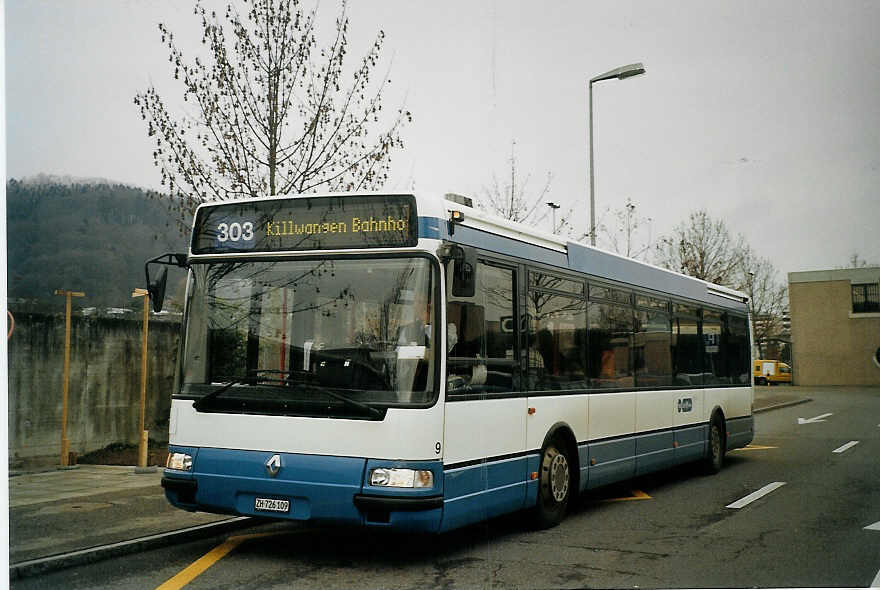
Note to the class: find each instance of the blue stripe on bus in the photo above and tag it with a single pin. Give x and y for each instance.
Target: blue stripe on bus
(434, 228)
(582, 259)
(429, 227)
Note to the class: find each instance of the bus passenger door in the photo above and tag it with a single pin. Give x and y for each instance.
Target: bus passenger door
(485, 469)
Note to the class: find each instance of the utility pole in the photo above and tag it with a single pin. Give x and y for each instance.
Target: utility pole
(65, 444)
(144, 434)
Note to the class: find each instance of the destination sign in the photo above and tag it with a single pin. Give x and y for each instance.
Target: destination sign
(307, 223)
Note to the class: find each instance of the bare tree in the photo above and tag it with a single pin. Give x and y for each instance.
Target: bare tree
(702, 247)
(626, 234)
(856, 261)
(768, 299)
(270, 112)
(513, 199)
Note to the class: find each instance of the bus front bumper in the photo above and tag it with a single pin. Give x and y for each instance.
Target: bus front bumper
(317, 488)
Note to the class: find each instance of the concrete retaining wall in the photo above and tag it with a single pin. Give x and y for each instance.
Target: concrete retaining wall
(105, 383)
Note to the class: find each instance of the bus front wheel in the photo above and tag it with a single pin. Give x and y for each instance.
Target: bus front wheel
(554, 491)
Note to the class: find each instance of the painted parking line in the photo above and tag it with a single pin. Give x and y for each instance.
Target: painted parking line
(753, 448)
(846, 447)
(755, 495)
(635, 495)
(198, 567)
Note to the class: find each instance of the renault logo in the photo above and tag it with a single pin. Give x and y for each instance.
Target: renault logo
(273, 465)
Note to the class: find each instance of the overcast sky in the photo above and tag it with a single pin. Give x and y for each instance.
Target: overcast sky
(767, 114)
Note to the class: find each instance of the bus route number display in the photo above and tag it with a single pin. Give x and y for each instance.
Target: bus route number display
(307, 223)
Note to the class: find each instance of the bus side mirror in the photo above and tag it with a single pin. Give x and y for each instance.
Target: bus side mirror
(464, 272)
(156, 288)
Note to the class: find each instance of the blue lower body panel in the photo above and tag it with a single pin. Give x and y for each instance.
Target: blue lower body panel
(337, 489)
(740, 432)
(484, 490)
(318, 488)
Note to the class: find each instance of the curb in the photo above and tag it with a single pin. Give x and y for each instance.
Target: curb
(43, 565)
(795, 402)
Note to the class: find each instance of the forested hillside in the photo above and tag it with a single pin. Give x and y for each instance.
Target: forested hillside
(91, 237)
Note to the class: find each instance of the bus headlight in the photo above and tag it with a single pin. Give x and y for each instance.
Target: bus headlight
(402, 478)
(179, 461)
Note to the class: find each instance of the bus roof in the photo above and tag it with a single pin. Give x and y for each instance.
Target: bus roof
(484, 230)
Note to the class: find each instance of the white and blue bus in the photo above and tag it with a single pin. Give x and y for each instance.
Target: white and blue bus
(409, 362)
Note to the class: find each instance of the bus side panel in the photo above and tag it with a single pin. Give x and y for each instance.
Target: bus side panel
(487, 438)
(654, 452)
(691, 443)
(689, 407)
(740, 432)
(611, 461)
(611, 415)
(485, 490)
(735, 402)
(570, 410)
(481, 429)
(655, 410)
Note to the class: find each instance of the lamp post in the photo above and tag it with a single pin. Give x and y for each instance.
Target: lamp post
(553, 206)
(620, 73)
(143, 434)
(65, 388)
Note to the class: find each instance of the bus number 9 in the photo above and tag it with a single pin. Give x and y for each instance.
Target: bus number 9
(234, 232)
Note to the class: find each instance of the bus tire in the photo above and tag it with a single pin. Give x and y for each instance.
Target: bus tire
(554, 485)
(715, 457)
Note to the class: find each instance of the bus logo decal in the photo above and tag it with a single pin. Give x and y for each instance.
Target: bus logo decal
(273, 465)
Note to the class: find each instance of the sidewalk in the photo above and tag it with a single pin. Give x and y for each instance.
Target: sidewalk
(58, 512)
(779, 396)
(57, 517)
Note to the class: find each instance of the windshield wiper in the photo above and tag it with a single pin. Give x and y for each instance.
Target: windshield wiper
(251, 377)
(373, 410)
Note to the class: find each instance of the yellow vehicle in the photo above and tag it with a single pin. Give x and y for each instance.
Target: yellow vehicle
(769, 372)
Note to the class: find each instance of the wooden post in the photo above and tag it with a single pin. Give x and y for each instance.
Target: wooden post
(65, 443)
(143, 434)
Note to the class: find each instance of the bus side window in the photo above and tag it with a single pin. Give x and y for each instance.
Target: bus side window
(482, 359)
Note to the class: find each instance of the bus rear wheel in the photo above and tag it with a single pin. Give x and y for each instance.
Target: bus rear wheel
(554, 486)
(715, 458)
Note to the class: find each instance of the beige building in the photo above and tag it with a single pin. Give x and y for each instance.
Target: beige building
(835, 326)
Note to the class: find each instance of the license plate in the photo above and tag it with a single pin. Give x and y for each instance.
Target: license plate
(271, 505)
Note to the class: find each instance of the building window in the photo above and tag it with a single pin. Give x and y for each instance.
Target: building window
(866, 298)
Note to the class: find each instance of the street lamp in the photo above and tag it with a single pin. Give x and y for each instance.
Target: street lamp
(620, 73)
(553, 206)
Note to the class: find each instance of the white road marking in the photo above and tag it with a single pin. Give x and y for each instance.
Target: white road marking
(846, 447)
(814, 420)
(876, 582)
(755, 495)
(873, 527)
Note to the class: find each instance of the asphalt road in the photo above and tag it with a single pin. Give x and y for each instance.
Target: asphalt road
(676, 530)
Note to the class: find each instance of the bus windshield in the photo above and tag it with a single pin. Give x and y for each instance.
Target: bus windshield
(322, 337)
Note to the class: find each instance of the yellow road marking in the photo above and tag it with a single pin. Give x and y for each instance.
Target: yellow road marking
(753, 448)
(199, 566)
(636, 495)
